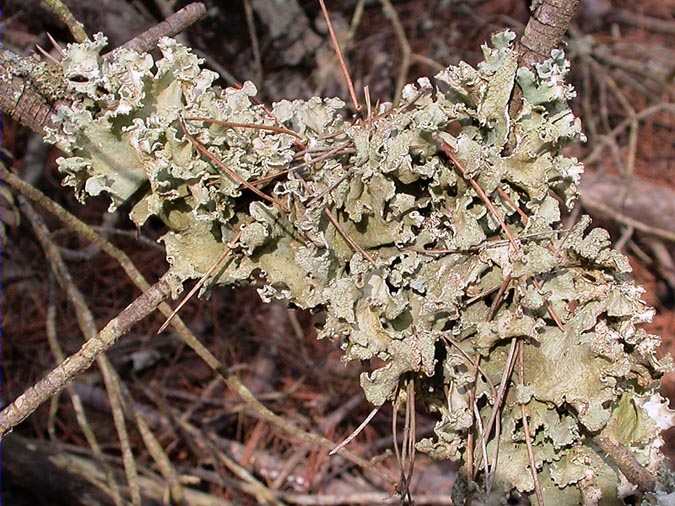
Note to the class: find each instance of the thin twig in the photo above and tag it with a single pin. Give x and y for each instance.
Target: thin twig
(406, 52)
(171, 26)
(599, 206)
(357, 16)
(255, 45)
(505, 197)
(643, 114)
(88, 328)
(76, 401)
(112, 386)
(63, 13)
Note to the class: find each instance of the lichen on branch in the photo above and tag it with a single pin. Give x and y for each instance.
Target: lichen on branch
(427, 236)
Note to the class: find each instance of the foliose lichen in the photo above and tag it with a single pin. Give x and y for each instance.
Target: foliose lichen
(422, 262)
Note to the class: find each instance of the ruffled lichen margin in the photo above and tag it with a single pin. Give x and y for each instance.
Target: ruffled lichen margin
(427, 237)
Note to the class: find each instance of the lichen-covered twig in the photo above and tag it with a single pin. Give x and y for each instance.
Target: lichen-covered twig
(400, 310)
(18, 98)
(21, 101)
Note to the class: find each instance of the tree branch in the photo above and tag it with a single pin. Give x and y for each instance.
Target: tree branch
(18, 98)
(545, 29)
(63, 12)
(627, 463)
(75, 364)
(171, 26)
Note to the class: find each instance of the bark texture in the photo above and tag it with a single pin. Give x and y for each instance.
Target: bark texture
(18, 97)
(545, 29)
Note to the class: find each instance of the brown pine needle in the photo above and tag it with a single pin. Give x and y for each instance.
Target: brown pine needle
(231, 173)
(505, 197)
(450, 153)
(356, 432)
(525, 219)
(328, 154)
(483, 444)
(56, 45)
(369, 108)
(221, 259)
(47, 55)
(506, 374)
(338, 52)
(474, 363)
(549, 308)
(346, 237)
(252, 126)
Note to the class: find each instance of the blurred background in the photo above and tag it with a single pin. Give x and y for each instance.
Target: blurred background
(622, 54)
